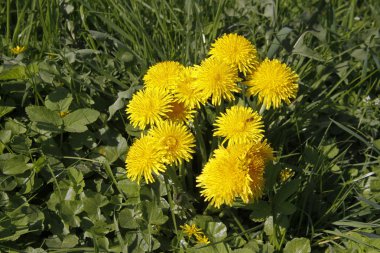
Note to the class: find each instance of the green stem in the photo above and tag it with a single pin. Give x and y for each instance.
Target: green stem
(55, 181)
(262, 109)
(171, 203)
(110, 174)
(8, 20)
(239, 224)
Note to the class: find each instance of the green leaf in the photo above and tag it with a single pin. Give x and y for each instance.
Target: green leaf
(5, 109)
(152, 213)
(19, 72)
(298, 245)
(279, 38)
(286, 190)
(330, 150)
(119, 103)
(59, 100)
(45, 118)
(69, 241)
(216, 230)
(93, 201)
(15, 126)
(285, 208)
(76, 177)
(128, 219)
(5, 137)
(13, 164)
(77, 120)
(21, 144)
(260, 210)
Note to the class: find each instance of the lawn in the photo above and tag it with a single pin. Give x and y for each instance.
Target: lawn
(82, 170)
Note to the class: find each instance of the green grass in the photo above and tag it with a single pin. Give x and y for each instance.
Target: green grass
(65, 190)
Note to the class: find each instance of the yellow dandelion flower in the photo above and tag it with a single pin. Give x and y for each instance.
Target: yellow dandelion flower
(148, 107)
(273, 82)
(144, 159)
(163, 75)
(18, 50)
(63, 114)
(186, 92)
(235, 171)
(175, 139)
(180, 112)
(236, 50)
(239, 124)
(202, 239)
(191, 230)
(217, 79)
(286, 174)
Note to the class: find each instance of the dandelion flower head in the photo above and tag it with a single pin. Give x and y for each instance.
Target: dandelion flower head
(286, 174)
(18, 49)
(235, 171)
(180, 112)
(273, 82)
(191, 230)
(202, 239)
(239, 124)
(186, 92)
(163, 75)
(175, 139)
(148, 107)
(144, 159)
(217, 79)
(236, 50)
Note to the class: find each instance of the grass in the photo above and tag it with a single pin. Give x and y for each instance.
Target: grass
(66, 190)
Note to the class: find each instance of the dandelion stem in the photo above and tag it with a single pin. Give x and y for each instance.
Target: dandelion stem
(262, 109)
(171, 203)
(239, 224)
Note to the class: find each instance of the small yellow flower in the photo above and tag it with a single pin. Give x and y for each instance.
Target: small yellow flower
(239, 124)
(164, 75)
(273, 82)
(18, 50)
(236, 50)
(217, 79)
(63, 114)
(202, 239)
(144, 159)
(175, 139)
(148, 107)
(191, 230)
(286, 174)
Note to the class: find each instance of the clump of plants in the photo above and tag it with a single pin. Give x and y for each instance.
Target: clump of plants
(228, 92)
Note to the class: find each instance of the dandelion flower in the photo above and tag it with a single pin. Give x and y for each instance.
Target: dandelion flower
(217, 79)
(175, 139)
(186, 92)
(180, 112)
(163, 75)
(273, 82)
(239, 125)
(236, 50)
(148, 106)
(202, 239)
(286, 174)
(235, 171)
(144, 159)
(191, 230)
(18, 50)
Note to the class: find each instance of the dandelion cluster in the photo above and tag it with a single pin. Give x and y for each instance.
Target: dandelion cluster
(176, 99)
